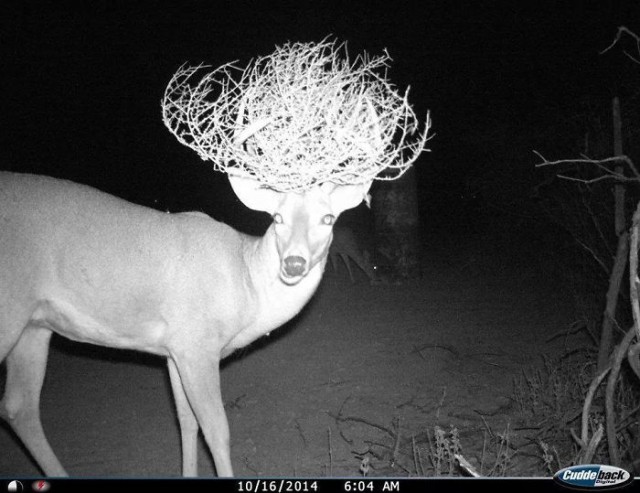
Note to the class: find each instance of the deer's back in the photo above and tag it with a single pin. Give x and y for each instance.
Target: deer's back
(100, 269)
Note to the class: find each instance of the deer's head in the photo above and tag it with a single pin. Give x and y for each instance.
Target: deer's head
(302, 221)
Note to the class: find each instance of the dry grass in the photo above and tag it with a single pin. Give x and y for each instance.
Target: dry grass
(551, 401)
(536, 441)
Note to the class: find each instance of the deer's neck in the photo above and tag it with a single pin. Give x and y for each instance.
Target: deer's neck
(277, 302)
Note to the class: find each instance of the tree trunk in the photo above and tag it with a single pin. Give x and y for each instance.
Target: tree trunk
(396, 222)
(615, 281)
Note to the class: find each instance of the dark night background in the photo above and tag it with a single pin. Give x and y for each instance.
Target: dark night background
(82, 84)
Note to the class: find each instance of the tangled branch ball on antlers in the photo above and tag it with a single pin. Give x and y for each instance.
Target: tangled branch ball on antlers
(302, 116)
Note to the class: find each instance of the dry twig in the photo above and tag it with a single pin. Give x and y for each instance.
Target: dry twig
(624, 30)
(634, 351)
(302, 116)
(584, 441)
(618, 356)
(608, 174)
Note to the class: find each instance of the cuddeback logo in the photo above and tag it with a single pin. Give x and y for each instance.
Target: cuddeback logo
(593, 476)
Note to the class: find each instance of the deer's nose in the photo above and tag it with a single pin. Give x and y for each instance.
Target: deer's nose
(294, 265)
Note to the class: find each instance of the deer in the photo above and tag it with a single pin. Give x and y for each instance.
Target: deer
(301, 134)
(346, 247)
(97, 269)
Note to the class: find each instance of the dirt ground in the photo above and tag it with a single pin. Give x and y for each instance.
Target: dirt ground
(331, 387)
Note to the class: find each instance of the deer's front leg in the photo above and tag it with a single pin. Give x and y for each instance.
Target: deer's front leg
(188, 424)
(200, 377)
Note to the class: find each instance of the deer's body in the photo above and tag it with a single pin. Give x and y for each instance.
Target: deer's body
(126, 296)
(97, 269)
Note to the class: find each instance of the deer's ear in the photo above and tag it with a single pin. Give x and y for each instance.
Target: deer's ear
(253, 194)
(345, 197)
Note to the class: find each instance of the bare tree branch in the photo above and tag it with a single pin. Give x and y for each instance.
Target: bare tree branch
(599, 163)
(624, 30)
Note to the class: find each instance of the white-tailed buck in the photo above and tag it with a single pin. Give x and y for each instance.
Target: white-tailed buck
(301, 134)
(346, 247)
(97, 269)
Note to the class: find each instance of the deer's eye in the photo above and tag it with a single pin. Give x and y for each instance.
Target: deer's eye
(329, 219)
(277, 218)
